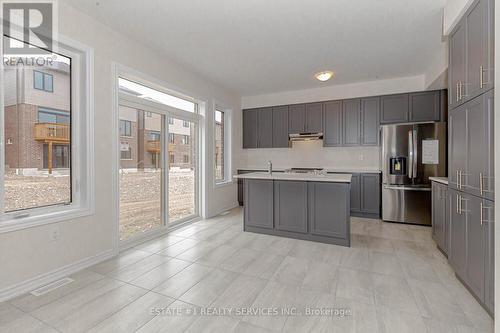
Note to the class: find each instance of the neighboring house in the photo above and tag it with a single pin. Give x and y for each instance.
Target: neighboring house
(140, 135)
(37, 117)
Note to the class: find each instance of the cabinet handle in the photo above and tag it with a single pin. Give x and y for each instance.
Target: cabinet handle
(481, 183)
(481, 78)
(458, 209)
(481, 213)
(458, 93)
(460, 85)
(458, 180)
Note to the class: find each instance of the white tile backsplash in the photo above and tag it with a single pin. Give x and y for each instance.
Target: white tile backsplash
(312, 154)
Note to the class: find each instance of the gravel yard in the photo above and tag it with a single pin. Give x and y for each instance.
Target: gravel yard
(140, 196)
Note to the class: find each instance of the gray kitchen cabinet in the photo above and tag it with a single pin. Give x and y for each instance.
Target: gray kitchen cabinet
(296, 119)
(314, 118)
(290, 206)
(370, 193)
(440, 216)
(332, 136)
(265, 128)
(356, 193)
(425, 106)
(457, 134)
(479, 176)
(351, 122)
(475, 244)
(394, 109)
(280, 127)
(327, 202)
(240, 186)
(457, 255)
(479, 48)
(488, 222)
(456, 71)
(370, 121)
(258, 208)
(250, 128)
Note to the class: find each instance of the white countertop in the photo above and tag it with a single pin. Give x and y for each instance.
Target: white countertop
(332, 178)
(442, 180)
(338, 170)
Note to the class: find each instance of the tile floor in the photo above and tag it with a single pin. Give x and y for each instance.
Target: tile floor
(392, 279)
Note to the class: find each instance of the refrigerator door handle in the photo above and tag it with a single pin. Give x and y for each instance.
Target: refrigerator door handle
(415, 153)
(410, 154)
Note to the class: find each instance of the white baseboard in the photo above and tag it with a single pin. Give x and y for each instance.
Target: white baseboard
(222, 210)
(46, 278)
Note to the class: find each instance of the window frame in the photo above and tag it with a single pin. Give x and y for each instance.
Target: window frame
(129, 126)
(227, 112)
(43, 81)
(82, 146)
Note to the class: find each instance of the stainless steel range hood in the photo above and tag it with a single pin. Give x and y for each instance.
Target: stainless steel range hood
(305, 136)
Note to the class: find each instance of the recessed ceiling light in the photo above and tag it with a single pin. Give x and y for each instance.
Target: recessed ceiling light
(324, 76)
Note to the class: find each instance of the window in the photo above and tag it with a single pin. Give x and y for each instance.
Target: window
(43, 81)
(154, 136)
(125, 128)
(171, 137)
(149, 114)
(185, 123)
(221, 151)
(126, 153)
(171, 158)
(185, 159)
(170, 121)
(185, 139)
(42, 179)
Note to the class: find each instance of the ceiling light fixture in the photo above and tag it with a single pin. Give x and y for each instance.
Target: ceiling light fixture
(324, 76)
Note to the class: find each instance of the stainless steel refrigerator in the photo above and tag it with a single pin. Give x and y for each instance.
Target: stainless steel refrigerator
(411, 153)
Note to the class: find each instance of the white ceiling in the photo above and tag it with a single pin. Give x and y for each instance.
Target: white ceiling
(264, 46)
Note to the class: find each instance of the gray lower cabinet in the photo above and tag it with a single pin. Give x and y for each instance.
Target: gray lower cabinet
(265, 128)
(259, 208)
(290, 209)
(250, 128)
(355, 193)
(394, 109)
(351, 121)
(314, 118)
(457, 255)
(280, 127)
(440, 216)
(365, 195)
(326, 200)
(489, 225)
(370, 121)
(332, 118)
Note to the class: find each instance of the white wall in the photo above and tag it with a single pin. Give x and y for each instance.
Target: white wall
(453, 11)
(313, 154)
(29, 253)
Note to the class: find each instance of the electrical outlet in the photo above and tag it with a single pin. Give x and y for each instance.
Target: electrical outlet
(55, 234)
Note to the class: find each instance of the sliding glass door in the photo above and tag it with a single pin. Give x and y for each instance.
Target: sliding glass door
(182, 169)
(141, 171)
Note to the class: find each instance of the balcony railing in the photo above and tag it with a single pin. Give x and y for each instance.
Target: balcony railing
(154, 146)
(51, 132)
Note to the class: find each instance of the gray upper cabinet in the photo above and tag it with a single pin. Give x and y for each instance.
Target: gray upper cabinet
(280, 127)
(290, 201)
(326, 201)
(314, 118)
(258, 198)
(370, 193)
(265, 128)
(425, 106)
(457, 134)
(351, 122)
(296, 119)
(370, 121)
(332, 124)
(456, 72)
(250, 128)
(394, 109)
(479, 45)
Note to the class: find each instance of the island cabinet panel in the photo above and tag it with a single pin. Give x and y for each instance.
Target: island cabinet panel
(328, 204)
(280, 127)
(290, 206)
(314, 118)
(394, 109)
(332, 124)
(296, 119)
(259, 207)
(425, 106)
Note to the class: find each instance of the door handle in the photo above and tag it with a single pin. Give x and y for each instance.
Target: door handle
(410, 154)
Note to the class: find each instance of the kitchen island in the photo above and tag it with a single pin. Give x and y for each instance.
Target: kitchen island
(303, 206)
